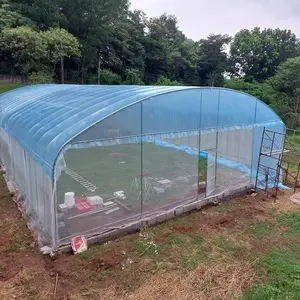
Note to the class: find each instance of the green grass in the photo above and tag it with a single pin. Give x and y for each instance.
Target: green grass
(259, 229)
(224, 244)
(196, 239)
(146, 247)
(292, 142)
(291, 159)
(5, 87)
(281, 273)
(292, 221)
(176, 239)
(100, 167)
(279, 270)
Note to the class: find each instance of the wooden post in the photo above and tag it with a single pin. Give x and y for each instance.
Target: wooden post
(297, 176)
(287, 173)
(266, 179)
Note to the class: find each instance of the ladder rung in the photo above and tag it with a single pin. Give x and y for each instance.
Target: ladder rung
(88, 185)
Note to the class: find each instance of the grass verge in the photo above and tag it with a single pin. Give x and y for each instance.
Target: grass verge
(5, 87)
(280, 268)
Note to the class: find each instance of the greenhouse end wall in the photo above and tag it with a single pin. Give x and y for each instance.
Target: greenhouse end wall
(144, 154)
(34, 188)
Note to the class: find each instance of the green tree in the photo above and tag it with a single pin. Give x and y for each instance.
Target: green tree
(26, 46)
(287, 82)
(287, 78)
(168, 52)
(60, 44)
(190, 58)
(92, 22)
(120, 44)
(213, 60)
(257, 53)
(128, 43)
(10, 18)
(160, 46)
(263, 91)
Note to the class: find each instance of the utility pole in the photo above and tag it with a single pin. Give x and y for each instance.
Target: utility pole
(62, 67)
(99, 66)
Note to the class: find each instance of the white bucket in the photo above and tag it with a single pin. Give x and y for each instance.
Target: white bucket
(70, 199)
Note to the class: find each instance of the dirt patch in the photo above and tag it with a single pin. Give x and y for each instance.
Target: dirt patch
(214, 221)
(284, 203)
(106, 261)
(13, 263)
(181, 228)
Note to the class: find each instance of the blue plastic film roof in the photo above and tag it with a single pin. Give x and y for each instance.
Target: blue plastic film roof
(44, 118)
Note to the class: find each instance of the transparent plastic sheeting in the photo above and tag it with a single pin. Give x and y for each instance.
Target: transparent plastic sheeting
(34, 185)
(45, 118)
(162, 146)
(138, 169)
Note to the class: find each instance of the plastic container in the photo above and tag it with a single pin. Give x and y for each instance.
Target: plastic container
(95, 200)
(120, 195)
(79, 244)
(63, 207)
(70, 199)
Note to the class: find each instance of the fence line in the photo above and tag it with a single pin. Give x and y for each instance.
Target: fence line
(14, 79)
(293, 131)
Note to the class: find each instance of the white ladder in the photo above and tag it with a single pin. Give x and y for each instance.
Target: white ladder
(88, 185)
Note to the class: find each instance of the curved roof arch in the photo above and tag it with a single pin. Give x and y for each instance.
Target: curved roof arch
(44, 118)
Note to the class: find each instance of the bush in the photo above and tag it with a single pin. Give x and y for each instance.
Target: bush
(110, 78)
(133, 78)
(41, 77)
(164, 81)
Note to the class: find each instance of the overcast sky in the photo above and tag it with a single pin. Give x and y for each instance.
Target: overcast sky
(199, 18)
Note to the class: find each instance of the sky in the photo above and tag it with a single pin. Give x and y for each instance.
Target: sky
(199, 18)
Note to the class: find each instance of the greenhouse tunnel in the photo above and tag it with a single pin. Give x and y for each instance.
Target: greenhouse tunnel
(98, 160)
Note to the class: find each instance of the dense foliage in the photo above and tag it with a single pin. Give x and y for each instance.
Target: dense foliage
(101, 41)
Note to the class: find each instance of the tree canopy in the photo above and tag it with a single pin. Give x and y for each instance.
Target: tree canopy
(257, 53)
(101, 41)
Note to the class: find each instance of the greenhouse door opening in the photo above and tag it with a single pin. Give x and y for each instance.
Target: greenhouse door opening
(269, 169)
